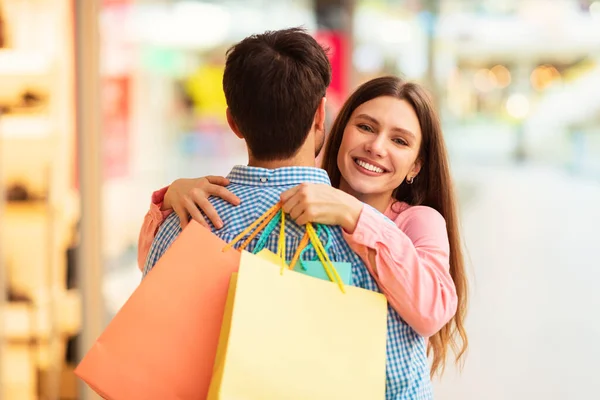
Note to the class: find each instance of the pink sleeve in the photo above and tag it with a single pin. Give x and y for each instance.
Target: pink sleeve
(152, 221)
(411, 264)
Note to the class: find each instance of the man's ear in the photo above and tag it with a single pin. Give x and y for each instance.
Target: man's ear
(232, 124)
(320, 115)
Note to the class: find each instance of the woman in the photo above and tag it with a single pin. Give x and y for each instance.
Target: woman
(385, 150)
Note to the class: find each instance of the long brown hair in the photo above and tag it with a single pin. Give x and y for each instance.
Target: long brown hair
(432, 187)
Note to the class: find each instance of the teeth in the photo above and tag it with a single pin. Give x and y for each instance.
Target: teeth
(369, 166)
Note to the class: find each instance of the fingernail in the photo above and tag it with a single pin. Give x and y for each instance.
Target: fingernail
(219, 224)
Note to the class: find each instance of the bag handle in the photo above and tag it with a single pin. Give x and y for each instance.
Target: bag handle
(303, 244)
(325, 260)
(302, 247)
(281, 245)
(261, 221)
(319, 249)
(309, 235)
(268, 221)
(280, 253)
(270, 227)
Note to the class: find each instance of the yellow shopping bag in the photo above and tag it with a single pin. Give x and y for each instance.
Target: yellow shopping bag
(286, 335)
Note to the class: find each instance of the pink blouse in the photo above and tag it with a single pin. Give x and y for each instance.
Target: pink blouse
(410, 261)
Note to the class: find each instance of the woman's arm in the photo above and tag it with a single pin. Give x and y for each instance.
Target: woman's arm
(187, 198)
(411, 263)
(409, 259)
(152, 221)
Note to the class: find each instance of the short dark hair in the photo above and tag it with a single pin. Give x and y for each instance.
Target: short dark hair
(273, 83)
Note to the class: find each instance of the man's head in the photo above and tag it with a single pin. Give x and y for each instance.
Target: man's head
(275, 84)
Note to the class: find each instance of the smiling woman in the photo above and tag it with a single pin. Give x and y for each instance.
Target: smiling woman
(391, 124)
(379, 149)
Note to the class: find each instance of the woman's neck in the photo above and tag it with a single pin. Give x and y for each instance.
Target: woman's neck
(379, 201)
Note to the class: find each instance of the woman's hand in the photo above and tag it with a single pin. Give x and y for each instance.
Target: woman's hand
(188, 196)
(323, 204)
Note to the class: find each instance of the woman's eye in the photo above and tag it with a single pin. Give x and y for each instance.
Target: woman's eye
(400, 141)
(364, 127)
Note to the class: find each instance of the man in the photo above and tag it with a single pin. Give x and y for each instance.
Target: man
(275, 86)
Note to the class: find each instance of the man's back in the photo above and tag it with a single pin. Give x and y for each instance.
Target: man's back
(258, 190)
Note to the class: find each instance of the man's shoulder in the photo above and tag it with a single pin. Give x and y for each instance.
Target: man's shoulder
(250, 196)
(254, 201)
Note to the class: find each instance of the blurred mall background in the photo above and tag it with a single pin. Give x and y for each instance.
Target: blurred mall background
(104, 101)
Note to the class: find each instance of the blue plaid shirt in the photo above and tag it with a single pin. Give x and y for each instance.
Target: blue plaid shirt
(407, 370)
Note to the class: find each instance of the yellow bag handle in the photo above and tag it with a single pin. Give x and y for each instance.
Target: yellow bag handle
(310, 235)
(261, 221)
(325, 260)
(319, 249)
(281, 244)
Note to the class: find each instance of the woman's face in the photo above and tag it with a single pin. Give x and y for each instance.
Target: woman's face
(379, 148)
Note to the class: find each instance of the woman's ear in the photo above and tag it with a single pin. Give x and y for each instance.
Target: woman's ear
(414, 171)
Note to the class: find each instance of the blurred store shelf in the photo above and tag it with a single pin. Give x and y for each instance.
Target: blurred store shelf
(20, 63)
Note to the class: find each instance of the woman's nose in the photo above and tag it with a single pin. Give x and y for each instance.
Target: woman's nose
(376, 146)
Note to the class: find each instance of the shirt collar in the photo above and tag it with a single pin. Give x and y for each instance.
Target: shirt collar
(288, 176)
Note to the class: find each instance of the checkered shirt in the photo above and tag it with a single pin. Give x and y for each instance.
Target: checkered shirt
(407, 369)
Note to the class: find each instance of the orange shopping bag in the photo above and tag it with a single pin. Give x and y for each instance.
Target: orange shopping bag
(162, 343)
